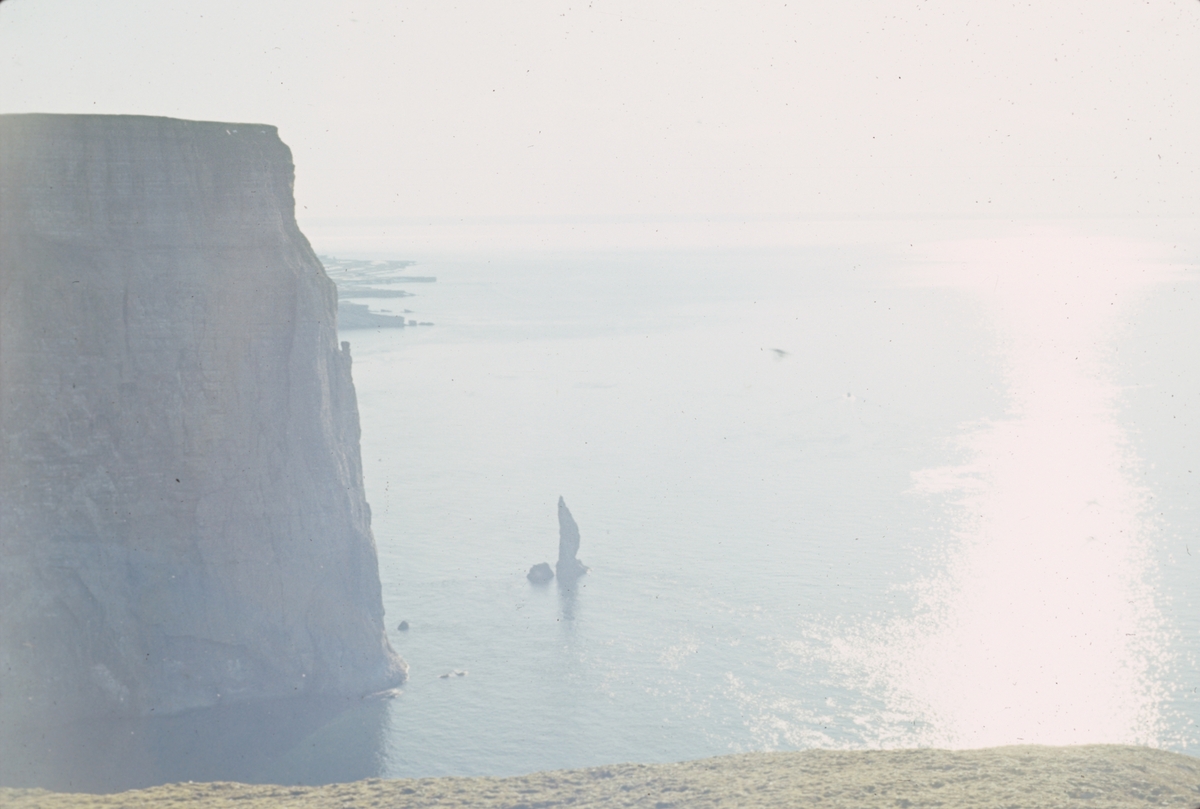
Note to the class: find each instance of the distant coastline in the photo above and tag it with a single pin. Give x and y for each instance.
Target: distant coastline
(362, 279)
(1109, 776)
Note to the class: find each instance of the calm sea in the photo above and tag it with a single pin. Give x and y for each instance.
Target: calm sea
(851, 497)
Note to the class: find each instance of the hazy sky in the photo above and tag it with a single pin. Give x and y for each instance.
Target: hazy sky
(434, 112)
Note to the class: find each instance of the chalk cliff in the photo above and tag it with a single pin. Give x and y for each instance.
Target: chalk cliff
(182, 515)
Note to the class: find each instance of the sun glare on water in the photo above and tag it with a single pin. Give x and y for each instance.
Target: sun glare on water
(1042, 625)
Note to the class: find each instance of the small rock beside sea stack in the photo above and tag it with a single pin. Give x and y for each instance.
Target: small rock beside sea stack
(540, 573)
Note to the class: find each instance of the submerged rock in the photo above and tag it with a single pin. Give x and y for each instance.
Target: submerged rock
(182, 514)
(540, 573)
(569, 567)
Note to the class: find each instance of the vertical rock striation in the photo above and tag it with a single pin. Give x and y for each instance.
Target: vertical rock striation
(182, 515)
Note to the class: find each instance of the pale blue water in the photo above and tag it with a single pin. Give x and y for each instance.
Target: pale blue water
(762, 549)
(860, 496)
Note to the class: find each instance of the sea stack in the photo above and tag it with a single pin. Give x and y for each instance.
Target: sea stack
(569, 568)
(182, 515)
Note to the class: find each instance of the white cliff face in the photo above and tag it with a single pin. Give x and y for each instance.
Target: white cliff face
(182, 516)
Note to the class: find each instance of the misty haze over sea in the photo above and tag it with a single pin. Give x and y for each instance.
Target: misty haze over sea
(851, 495)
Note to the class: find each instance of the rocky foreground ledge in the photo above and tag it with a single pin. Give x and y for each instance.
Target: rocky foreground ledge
(1028, 777)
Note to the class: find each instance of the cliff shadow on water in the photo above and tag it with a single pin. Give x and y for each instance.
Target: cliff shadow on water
(303, 740)
(185, 538)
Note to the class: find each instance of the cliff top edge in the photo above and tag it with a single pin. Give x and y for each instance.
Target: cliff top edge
(133, 120)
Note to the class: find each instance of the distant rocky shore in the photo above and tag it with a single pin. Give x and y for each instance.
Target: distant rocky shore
(370, 280)
(1101, 776)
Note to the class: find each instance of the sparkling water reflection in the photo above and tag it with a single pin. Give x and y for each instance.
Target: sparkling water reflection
(741, 437)
(1044, 625)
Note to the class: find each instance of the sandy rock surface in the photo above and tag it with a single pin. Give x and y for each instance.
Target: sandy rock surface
(1027, 777)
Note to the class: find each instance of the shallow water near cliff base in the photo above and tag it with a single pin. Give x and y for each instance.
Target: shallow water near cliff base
(846, 496)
